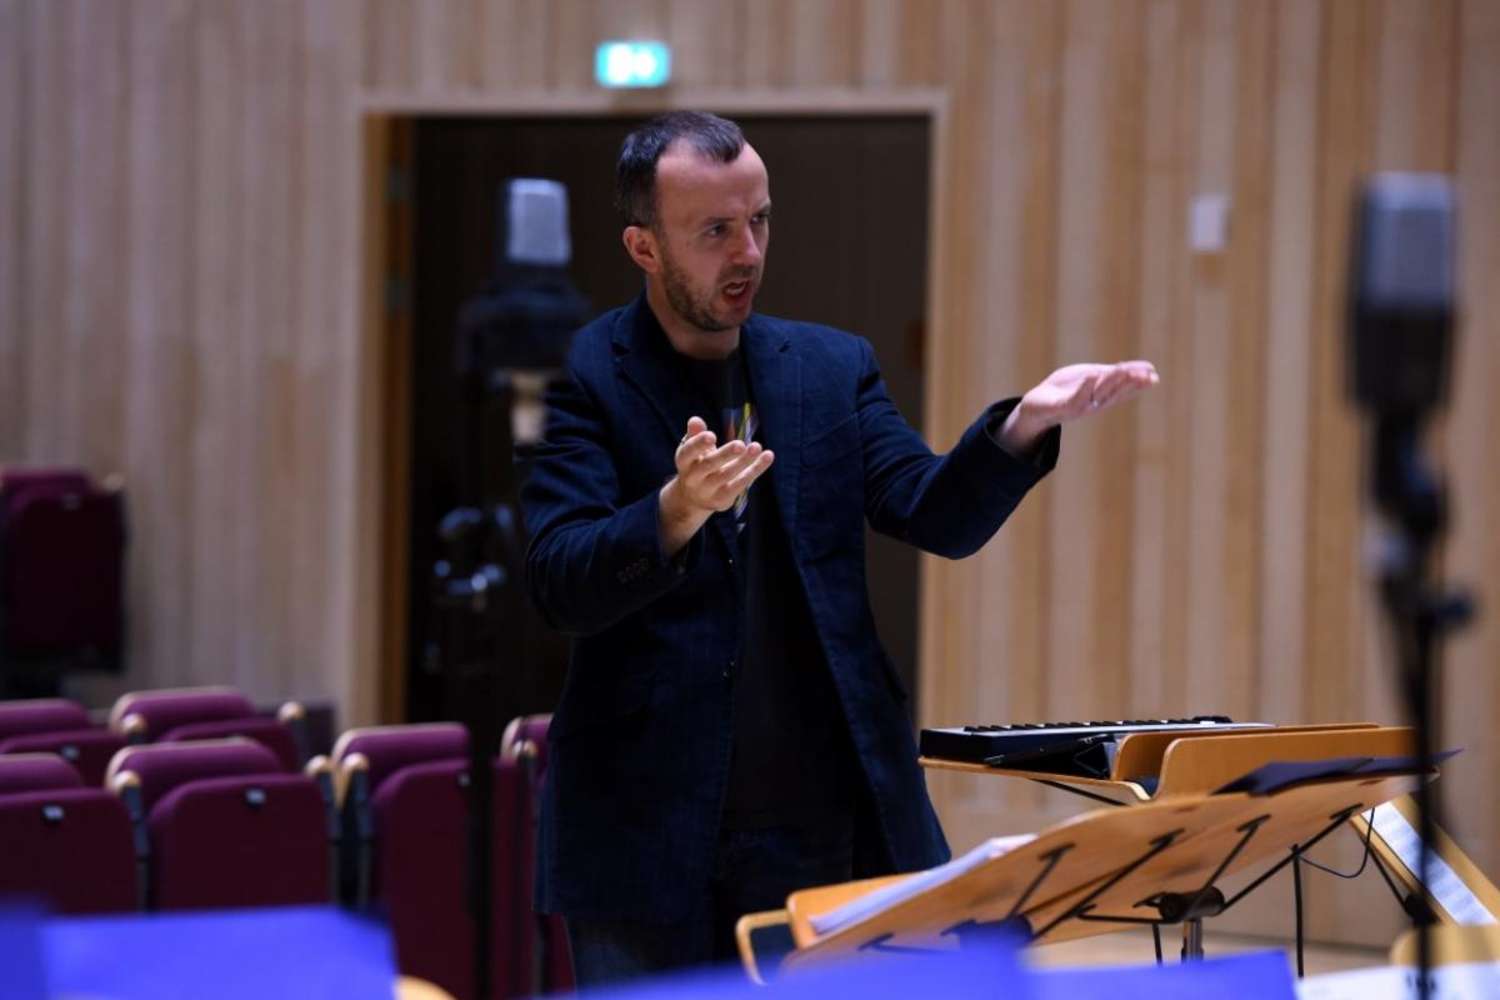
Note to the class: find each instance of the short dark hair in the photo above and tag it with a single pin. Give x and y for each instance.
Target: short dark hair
(635, 174)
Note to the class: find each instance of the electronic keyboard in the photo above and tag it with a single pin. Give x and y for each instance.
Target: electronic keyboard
(1053, 746)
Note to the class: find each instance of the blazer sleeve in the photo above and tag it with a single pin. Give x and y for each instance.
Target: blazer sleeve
(949, 505)
(594, 556)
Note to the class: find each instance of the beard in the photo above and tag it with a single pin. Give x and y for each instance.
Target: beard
(692, 305)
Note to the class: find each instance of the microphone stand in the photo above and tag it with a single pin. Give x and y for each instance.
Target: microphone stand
(1420, 610)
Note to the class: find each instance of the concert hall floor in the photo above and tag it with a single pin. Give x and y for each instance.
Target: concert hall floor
(1133, 947)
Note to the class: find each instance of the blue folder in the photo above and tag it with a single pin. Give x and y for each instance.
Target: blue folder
(317, 953)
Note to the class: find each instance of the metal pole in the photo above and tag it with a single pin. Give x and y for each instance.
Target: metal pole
(1192, 940)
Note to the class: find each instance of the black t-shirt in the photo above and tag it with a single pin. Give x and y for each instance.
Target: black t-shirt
(792, 763)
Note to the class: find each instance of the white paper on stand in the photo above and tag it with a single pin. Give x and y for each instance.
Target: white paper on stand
(884, 898)
(1446, 887)
(1455, 981)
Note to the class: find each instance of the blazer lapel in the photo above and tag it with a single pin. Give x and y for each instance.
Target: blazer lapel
(641, 356)
(776, 384)
(644, 357)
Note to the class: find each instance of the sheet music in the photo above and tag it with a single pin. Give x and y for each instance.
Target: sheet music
(1459, 981)
(881, 899)
(1446, 887)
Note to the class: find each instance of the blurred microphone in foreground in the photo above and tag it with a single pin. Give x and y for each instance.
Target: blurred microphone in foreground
(1402, 304)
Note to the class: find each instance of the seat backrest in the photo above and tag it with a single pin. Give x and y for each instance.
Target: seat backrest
(69, 846)
(40, 715)
(422, 850)
(61, 580)
(89, 750)
(515, 922)
(145, 715)
(32, 772)
(273, 734)
(422, 864)
(245, 840)
(363, 760)
(156, 769)
(15, 480)
(387, 748)
(380, 751)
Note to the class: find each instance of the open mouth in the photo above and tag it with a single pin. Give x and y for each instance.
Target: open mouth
(736, 290)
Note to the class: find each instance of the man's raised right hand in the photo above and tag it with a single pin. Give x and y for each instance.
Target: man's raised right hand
(708, 479)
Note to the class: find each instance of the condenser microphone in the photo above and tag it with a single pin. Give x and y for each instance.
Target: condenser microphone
(533, 223)
(1402, 293)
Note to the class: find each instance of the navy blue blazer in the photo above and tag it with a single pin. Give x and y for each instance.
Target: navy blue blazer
(639, 745)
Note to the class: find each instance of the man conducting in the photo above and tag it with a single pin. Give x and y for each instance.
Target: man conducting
(730, 729)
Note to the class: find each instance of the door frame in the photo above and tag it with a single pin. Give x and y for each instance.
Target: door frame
(383, 420)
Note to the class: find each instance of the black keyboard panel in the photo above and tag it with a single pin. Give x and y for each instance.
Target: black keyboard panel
(978, 744)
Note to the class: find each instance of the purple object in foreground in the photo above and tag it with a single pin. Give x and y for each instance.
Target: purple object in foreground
(986, 971)
(1264, 975)
(311, 953)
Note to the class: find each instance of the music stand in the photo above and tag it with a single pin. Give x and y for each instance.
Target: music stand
(1097, 872)
(1154, 863)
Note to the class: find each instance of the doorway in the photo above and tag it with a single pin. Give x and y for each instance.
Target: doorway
(849, 249)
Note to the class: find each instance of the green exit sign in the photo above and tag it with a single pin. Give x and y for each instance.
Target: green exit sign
(633, 64)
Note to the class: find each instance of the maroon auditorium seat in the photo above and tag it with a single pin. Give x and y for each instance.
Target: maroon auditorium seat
(420, 852)
(373, 753)
(58, 726)
(405, 810)
(15, 480)
(88, 750)
(40, 715)
(223, 825)
(421, 859)
(60, 581)
(364, 758)
(35, 772)
(69, 848)
(143, 716)
(210, 712)
(273, 734)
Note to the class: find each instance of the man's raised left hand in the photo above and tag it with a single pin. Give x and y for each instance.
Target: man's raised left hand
(1069, 393)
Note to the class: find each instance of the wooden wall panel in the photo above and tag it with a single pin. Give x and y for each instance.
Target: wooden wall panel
(507, 38)
(220, 461)
(1284, 496)
(766, 29)
(1156, 586)
(1470, 678)
(14, 134)
(1214, 652)
(704, 47)
(188, 250)
(161, 375)
(965, 590)
(47, 168)
(1083, 173)
(342, 563)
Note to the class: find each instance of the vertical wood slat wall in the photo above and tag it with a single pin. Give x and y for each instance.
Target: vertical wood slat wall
(182, 263)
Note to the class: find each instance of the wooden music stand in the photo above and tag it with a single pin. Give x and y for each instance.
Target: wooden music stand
(1083, 851)
(1154, 863)
(1180, 888)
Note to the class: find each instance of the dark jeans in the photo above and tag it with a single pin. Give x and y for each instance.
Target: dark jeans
(754, 870)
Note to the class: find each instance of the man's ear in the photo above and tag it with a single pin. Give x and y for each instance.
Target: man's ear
(640, 243)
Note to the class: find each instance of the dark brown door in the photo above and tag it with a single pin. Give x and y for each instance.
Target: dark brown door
(849, 248)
